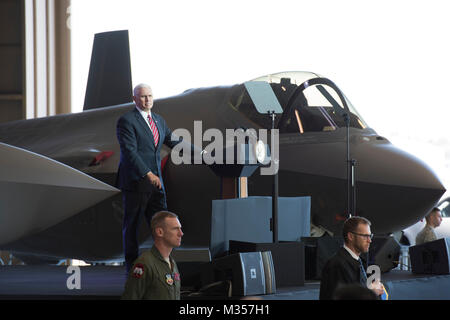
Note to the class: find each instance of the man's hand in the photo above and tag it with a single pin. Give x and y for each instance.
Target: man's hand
(377, 287)
(154, 180)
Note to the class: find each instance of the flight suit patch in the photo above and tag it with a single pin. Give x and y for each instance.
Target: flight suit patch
(169, 279)
(177, 276)
(138, 271)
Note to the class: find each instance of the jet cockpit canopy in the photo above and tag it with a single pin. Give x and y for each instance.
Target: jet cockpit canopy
(309, 103)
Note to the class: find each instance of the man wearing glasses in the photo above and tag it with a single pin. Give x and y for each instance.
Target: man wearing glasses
(346, 268)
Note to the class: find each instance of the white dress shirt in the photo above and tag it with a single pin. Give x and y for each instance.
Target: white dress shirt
(354, 255)
(145, 115)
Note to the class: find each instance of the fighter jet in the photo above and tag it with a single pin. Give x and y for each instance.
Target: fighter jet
(393, 188)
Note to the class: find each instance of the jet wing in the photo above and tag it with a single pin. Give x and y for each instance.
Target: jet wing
(37, 192)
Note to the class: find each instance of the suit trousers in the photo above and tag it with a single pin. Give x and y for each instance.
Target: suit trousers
(136, 206)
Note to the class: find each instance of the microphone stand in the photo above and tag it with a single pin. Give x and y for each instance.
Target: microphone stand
(274, 220)
(351, 164)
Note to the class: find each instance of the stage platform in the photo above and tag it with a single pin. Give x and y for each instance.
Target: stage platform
(50, 282)
(107, 282)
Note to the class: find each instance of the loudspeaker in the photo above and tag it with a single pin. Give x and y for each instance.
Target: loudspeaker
(269, 272)
(288, 259)
(190, 262)
(318, 250)
(431, 257)
(245, 271)
(384, 252)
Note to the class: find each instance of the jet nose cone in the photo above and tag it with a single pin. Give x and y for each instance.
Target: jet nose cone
(393, 166)
(403, 188)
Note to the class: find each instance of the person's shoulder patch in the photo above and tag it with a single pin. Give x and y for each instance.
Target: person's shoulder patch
(138, 270)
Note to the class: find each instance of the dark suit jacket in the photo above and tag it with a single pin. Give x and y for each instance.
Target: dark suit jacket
(341, 269)
(138, 154)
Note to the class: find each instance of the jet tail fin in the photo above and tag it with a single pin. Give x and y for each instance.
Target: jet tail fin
(109, 81)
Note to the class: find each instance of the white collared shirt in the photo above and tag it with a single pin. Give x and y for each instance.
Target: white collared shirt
(145, 115)
(354, 255)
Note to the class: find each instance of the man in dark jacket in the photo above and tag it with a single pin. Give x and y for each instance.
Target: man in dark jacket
(141, 134)
(346, 266)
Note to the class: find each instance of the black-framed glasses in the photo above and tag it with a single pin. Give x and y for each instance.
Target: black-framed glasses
(367, 236)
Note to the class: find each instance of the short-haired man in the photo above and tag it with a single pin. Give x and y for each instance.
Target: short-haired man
(141, 134)
(154, 275)
(346, 266)
(428, 234)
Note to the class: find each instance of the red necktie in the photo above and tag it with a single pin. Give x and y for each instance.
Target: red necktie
(154, 130)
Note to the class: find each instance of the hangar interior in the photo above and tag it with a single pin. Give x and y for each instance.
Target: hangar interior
(35, 82)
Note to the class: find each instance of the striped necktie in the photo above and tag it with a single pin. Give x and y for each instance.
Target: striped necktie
(153, 129)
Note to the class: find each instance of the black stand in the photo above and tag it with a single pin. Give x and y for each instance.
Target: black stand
(351, 164)
(274, 222)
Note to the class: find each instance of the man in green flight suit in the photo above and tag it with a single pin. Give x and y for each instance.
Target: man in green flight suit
(154, 275)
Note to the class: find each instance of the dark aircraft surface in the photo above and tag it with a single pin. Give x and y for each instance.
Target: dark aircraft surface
(393, 188)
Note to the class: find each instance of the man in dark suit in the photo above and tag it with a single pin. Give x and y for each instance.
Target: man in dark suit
(141, 134)
(346, 267)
